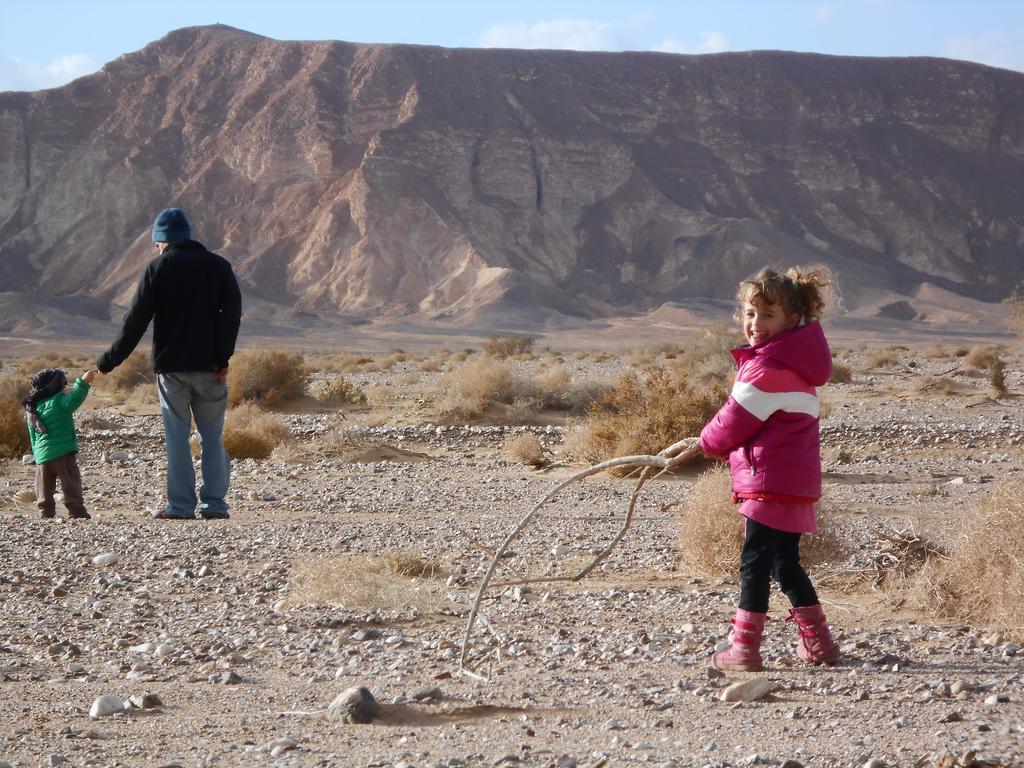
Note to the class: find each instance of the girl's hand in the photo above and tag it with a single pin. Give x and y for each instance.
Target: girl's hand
(89, 375)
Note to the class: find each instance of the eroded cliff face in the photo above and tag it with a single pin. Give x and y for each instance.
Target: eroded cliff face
(469, 183)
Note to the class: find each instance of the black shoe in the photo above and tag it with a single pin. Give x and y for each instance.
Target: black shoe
(215, 515)
(47, 515)
(80, 514)
(163, 514)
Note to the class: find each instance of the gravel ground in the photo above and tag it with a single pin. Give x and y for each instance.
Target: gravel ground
(214, 618)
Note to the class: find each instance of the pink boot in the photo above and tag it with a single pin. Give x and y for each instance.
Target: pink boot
(816, 644)
(744, 655)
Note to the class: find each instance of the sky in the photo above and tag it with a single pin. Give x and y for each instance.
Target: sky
(45, 43)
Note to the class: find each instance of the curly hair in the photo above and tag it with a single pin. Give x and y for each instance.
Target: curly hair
(799, 291)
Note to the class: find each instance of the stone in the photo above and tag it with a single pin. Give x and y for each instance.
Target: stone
(163, 650)
(432, 693)
(107, 558)
(145, 701)
(106, 705)
(365, 635)
(230, 677)
(353, 705)
(748, 690)
(277, 747)
(25, 495)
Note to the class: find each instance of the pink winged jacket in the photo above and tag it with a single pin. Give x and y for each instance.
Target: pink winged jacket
(768, 427)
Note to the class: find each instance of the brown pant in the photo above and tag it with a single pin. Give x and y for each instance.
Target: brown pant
(47, 473)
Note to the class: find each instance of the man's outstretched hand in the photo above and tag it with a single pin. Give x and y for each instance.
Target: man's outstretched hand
(221, 373)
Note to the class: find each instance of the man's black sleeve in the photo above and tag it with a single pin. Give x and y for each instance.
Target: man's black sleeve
(230, 318)
(136, 320)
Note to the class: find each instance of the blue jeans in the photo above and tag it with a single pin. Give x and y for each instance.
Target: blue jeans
(185, 395)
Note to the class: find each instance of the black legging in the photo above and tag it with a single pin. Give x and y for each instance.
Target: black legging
(767, 554)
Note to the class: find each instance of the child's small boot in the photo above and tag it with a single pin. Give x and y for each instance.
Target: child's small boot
(744, 655)
(816, 645)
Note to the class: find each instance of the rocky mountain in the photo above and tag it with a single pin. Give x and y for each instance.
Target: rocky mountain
(503, 188)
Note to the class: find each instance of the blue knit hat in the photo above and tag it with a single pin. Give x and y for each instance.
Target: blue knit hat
(170, 226)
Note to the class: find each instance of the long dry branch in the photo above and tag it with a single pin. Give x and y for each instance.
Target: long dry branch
(666, 459)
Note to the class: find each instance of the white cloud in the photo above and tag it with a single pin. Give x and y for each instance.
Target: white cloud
(997, 49)
(571, 34)
(18, 75)
(710, 42)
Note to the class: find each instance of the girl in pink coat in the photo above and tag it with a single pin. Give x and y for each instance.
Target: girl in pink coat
(768, 432)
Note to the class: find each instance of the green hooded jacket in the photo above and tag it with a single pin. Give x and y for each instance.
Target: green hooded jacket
(57, 415)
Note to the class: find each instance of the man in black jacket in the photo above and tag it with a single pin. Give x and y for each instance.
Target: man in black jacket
(192, 297)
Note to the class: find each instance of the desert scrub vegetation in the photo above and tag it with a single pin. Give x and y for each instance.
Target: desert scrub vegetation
(478, 383)
(648, 411)
(510, 345)
(980, 578)
(841, 373)
(252, 433)
(31, 365)
(982, 357)
(484, 384)
(13, 428)
(653, 408)
(882, 358)
(711, 531)
(340, 391)
(266, 376)
(525, 448)
(394, 581)
(136, 370)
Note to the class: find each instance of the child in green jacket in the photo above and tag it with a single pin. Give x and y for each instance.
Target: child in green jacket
(51, 429)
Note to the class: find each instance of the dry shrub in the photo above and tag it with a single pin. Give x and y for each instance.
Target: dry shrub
(937, 352)
(135, 371)
(340, 391)
(882, 358)
(509, 345)
(266, 376)
(13, 428)
(31, 365)
(525, 448)
(997, 378)
(706, 356)
(982, 357)
(359, 582)
(824, 407)
(649, 411)
(251, 433)
(408, 379)
(936, 385)
(841, 374)
(981, 580)
(350, 363)
(411, 565)
(555, 389)
(432, 364)
(141, 398)
(477, 383)
(710, 531)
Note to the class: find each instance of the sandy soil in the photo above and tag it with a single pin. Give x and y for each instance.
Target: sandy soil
(236, 626)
